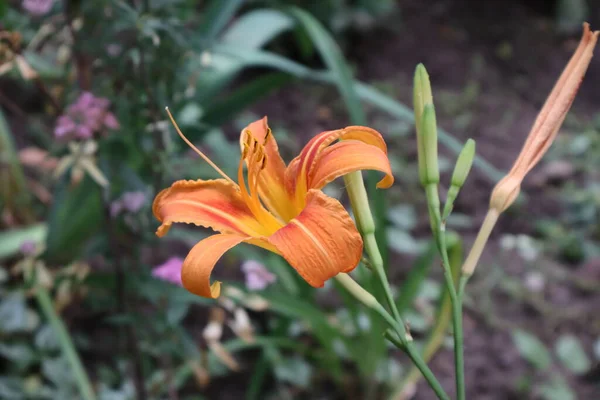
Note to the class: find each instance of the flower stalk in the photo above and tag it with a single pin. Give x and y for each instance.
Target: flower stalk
(430, 178)
(366, 226)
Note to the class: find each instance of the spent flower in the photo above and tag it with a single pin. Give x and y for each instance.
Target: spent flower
(541, 136)
(547, 123)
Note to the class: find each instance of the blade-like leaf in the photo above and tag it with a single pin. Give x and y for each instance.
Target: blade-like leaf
(75, 215)
(256, 28)
(260, 58)
(221, 111)
(217, 15)
(532, 349)
(14, 195)
(413, 282)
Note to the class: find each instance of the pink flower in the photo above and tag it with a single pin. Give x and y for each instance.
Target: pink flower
(257, 276)
(85, 117)
(28, 247)
(129, 201)
(37, 7)
(169, 271)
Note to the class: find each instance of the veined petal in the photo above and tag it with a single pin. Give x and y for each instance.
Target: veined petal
(271, 187)
(216, 204)
(321, 241)
(301, 167)
(199, 263)
(349, 156)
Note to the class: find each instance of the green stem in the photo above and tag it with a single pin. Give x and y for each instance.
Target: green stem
(399, 337)
(366, 225)
(457, 329)
(64, 339)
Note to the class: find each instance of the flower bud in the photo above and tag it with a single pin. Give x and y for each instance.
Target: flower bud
(459, 176)
(421, 97)
(463, 164)
(430, 144)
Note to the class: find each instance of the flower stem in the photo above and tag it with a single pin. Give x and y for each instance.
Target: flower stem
(64, 339)
(399, 336)
(457, 328)
(366, 225)
(482, 237)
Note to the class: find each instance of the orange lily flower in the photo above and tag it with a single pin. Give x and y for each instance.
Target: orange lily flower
(279, 208)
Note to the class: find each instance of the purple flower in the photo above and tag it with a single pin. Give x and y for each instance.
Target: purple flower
(85, 117)
(257, 276)
(28, 248)
(37, 7)
(129, 201)
(169, 271)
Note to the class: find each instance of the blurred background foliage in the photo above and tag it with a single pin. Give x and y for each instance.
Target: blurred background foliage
(83, 316)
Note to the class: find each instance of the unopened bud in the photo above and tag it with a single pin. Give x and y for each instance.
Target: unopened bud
(430, 144)
(421, 97)
(463, 164)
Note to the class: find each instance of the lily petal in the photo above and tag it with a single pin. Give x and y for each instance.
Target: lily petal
(301, 167)
(199, 263)
(321, 241)
(271, 179)
(349, 156)
(215, 204)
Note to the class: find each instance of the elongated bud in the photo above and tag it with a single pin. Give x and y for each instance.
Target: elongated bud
(430, 144)
(459, 176)
(463, 164)
(421, 97)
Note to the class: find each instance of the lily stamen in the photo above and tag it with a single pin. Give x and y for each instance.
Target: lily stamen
(201, 154)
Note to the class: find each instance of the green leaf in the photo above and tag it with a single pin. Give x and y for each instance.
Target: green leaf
(414, 281)
(532, 349)
(14, 194)
(245, 33)
(58, 371)
(218, 14)
(19, 354)
(256, 28)
(294, 370)
(76, 214)
(12, 239)
(571, 354)
(11, 388)
(221, 111)
(403, 216)
(44, 68)
(260, 58)
(334, 59)
(297, 308)
(402, 242)
(45, 339)
(557, 389)
(13, 313)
